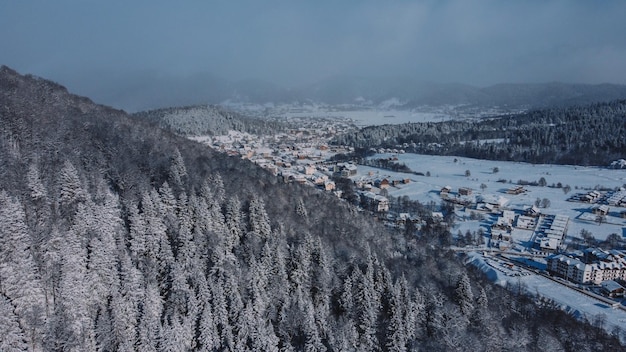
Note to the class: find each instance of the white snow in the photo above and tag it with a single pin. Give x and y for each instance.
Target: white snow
(363, 112)
(576, 303)
(445, 171)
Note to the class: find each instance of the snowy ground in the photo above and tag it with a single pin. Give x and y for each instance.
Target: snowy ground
(373, 117)
(572, 301)
(445, 171)
(365, 113)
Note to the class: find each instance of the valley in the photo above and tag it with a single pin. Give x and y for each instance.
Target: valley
(290, 176)
(197, 227)
(490, 189)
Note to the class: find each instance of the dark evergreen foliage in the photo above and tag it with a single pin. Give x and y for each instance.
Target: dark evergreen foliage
(209, 120)
(117, 235)
(583, 135)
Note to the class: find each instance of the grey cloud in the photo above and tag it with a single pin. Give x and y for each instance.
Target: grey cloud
(289, 42)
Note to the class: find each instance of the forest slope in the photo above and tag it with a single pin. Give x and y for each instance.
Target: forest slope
(202, 120)
(117, 235)
(583, 135)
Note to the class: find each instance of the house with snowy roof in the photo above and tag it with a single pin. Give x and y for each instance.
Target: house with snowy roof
(605, 266)
(612, 289)
(375, 202)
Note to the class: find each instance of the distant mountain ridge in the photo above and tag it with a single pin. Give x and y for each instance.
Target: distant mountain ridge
(147, 90)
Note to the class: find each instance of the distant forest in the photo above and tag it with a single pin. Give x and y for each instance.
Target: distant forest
(120, 236)
(209, 120)
(584, 135)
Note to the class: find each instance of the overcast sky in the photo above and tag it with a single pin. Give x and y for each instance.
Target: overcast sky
(295, 42)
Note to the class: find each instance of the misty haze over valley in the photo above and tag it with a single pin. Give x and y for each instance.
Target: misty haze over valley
(139, 56)
(313, 176)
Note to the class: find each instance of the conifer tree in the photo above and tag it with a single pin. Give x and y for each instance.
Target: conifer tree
(207, 337)
(301, 209)
(234, 222)
(125, 305)
(217, 184)
(149, 332)
(19, 280)
(75, 308)
(185, 246)
(35, 185)
(259, 221)
(221, 313)
(464, 295)
(178, 171)
(367, 308)
(137, 234)
(346, 301)
(71, 190)
(12, 337)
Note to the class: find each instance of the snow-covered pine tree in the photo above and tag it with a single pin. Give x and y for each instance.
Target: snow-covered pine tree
(178, 171)
(259, 220)
(12, 337)
(19, 280)
(149, 330)
(464, 296)
(301, 209)
(221, 313)
(234, 222)
(71, 189)
(207, 335)
(399, 317)
(75, 325)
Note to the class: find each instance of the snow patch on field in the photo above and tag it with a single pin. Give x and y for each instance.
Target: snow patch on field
(445, 171)
(574, 302)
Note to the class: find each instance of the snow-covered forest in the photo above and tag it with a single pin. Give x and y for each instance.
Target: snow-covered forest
(119, 236)
(209, 120)
(580, 135)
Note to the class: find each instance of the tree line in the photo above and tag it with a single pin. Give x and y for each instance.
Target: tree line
(121, 236)
(581, 135)
(201, 120)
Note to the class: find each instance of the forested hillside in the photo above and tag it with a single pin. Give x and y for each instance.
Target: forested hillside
(585, 135)
(208, 120)
(119, 236)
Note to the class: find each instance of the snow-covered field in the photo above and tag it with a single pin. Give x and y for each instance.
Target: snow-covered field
(572, 301)
(445, 171)
(364, 113)
(373, 117)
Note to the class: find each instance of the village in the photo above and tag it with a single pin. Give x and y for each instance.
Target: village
(508, 220)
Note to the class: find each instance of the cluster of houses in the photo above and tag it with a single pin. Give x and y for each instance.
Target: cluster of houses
(551, 232)
(617, 199)
(501, 230)
(298, 156)
(589, 197)
(463, 196)
(602, 202)
(372, 188)
(590, 266)
(302, 156)
(548, 230)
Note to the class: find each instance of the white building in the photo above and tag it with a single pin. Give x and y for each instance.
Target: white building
(376, 202)
(611, 266)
